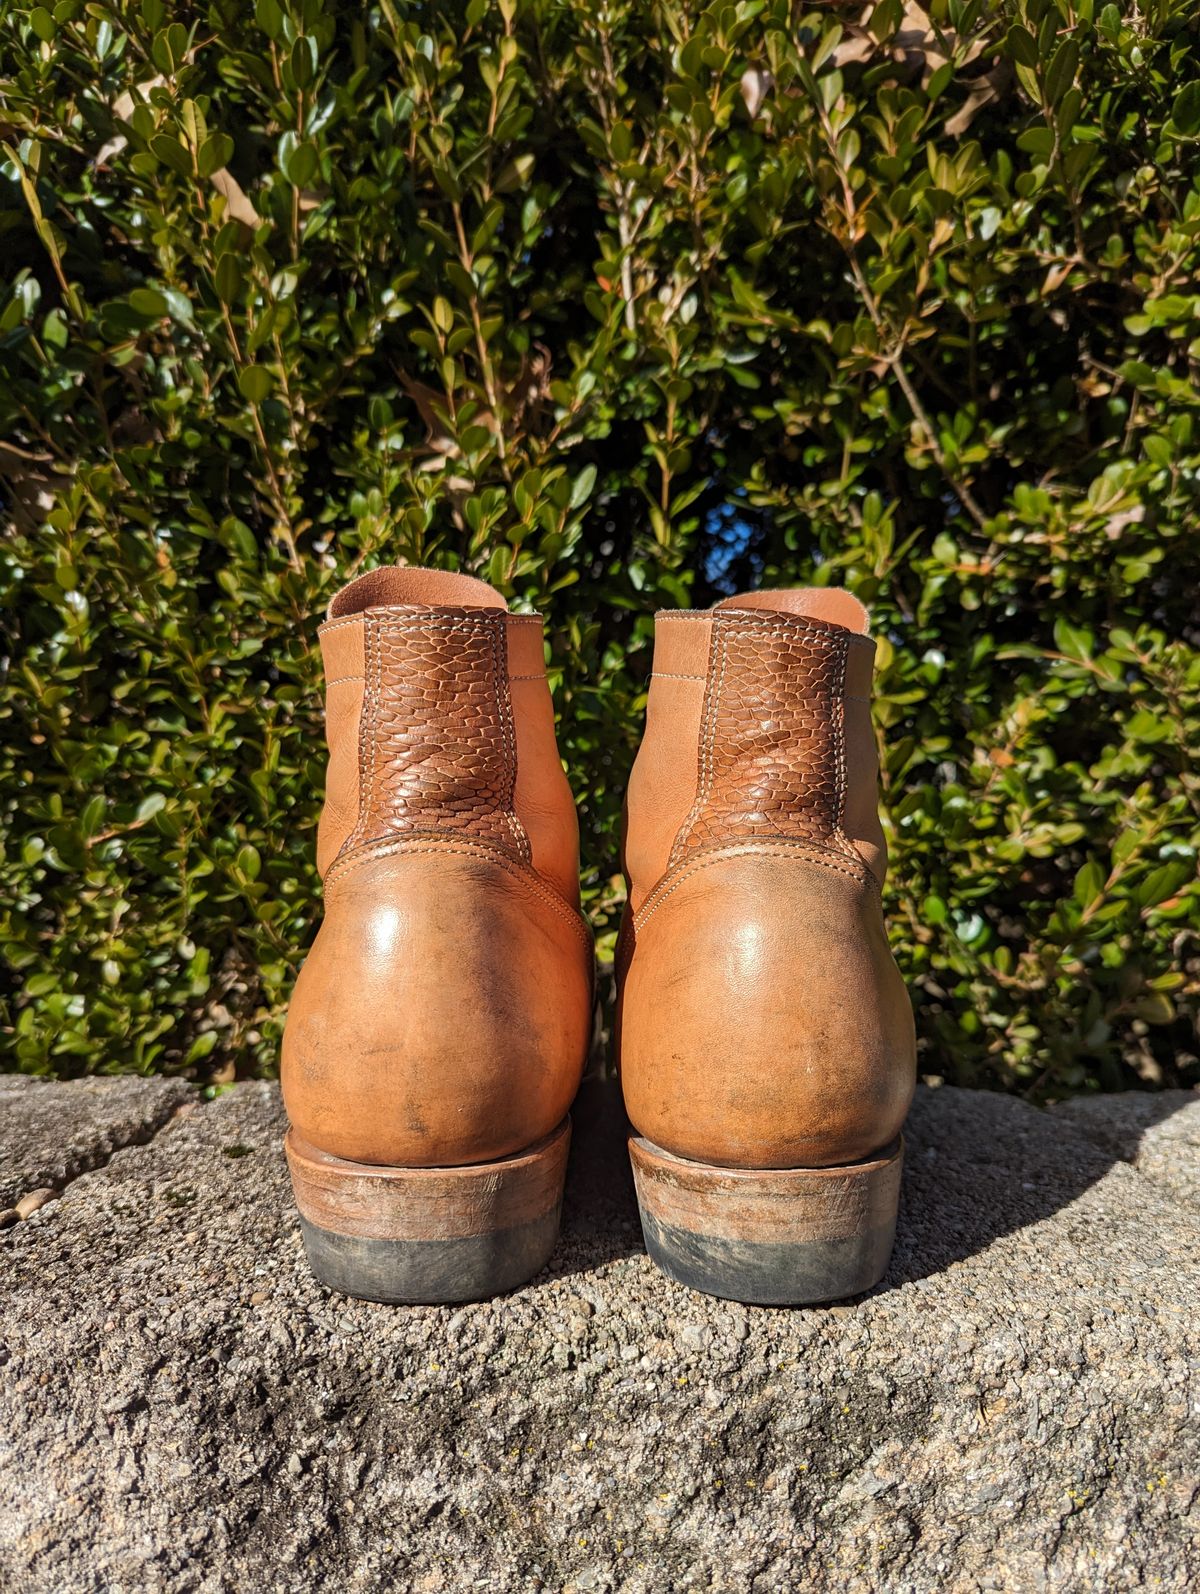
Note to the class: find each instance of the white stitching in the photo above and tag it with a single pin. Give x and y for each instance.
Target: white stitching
(340, 680)
(716, 711)
(786, 625)
(402, 622)
(666, 675)
(747, 622)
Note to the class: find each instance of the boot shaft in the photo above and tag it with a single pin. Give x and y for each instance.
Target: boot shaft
(439, 723)
(758, 729)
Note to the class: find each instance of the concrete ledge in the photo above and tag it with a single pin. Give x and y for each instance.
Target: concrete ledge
(50, 1133)
(1015, 1407)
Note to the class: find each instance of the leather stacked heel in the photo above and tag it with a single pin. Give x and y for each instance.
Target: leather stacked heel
(429, 1234)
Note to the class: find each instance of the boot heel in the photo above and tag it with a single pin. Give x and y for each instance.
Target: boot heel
(769, 1236)
(429, 1235)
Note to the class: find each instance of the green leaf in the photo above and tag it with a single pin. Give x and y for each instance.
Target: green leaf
(169, 49)
(1157, 1008)
(215, 153)
(172, 153)
(1021, 45)
(248, 861)
(1162, 883)
(939, 81)
(1185, 110)
(1073, 641)
(1089, 882)
(515, 175)
(1060, 74)
(1037, 141)
(150, 303)
(304, 62)
(227, 279)
(203, 1046)
(254, 382)
(581, 487)
(191, 119)
(269, 16)
(300, 164)
(91, 815)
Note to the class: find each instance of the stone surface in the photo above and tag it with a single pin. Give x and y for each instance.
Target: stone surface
(51, 1133)
(1149, 1131)
(1014, 1408)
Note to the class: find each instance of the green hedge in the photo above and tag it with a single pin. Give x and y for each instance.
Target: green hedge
(620, 305)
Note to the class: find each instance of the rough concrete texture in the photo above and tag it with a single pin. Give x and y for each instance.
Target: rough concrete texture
(51, 1133)
(181, 1408)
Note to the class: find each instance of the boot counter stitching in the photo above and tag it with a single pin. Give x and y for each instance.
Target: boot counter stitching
(809, 852)
(499, 637)
(715, 676)
(429, 845)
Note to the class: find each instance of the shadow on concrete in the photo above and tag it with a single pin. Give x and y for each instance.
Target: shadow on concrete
(600, 1214)
(978, 1165)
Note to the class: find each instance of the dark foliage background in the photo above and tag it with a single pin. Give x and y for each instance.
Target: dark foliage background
(620, 305)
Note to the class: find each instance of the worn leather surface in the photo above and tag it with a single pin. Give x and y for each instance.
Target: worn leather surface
(833, 604)
(445, 1007)
(443, 1014)
(389, 585)
(342, 649)
(761, 1019)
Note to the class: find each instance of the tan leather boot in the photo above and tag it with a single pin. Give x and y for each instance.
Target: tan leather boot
(765, 1036)
(439, 1026)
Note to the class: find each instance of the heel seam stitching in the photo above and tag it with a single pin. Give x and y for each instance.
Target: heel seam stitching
(782, 848)
(506, 861)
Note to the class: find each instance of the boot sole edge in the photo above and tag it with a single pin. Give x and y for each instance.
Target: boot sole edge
(429, 1236)
(769, 1236)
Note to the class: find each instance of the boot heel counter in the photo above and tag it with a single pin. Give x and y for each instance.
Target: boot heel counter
(443, 1014)
(763, 1020)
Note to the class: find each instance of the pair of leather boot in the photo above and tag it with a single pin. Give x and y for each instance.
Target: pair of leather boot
(440, 1024)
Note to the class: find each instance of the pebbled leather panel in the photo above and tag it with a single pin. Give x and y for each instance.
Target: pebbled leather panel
(772, 757)
(438, 749)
